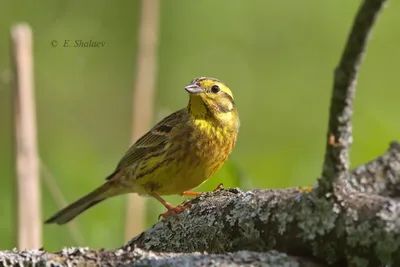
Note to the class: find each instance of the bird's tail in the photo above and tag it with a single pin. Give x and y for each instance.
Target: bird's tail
(82, 204)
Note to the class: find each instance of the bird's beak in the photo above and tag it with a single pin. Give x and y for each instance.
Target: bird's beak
(194, 89)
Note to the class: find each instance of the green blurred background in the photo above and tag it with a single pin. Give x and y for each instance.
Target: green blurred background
(277, 56)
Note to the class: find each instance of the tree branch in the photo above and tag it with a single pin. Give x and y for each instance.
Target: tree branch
(380, 176)
(138, 257)
(337, 162)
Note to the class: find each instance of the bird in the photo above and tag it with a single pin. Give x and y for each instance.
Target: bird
(177, 155)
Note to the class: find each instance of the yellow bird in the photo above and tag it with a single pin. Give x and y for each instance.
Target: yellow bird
(178, 154)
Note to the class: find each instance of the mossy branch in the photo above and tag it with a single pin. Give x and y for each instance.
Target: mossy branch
(380, 176)
(141, 258)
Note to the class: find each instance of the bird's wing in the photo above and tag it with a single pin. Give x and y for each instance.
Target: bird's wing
(153, 143)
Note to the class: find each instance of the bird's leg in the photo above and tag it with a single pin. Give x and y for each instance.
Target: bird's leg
(220, 186)
(190, 194)
(195, 194)
(171, 210)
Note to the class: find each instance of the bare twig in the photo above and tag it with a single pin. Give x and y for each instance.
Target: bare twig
(336, 163)
(143, 98)
(26, 165)
(57, 195)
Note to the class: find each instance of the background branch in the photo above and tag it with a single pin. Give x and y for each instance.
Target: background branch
(58, 197)
(29, 230)
(143, 101)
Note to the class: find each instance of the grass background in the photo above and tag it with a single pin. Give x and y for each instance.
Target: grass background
(277, 56)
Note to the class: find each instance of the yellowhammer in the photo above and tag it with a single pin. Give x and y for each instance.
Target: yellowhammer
(178, 154)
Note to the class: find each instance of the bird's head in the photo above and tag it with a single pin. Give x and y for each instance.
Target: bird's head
(210, 97)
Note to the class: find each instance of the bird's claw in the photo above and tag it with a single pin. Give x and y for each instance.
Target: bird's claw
(220, 186)
(174, 210)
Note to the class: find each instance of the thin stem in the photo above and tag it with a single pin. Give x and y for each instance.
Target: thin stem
(25, 141)
(143, 99)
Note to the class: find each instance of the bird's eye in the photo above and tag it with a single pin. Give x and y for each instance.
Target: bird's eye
(215, 89)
